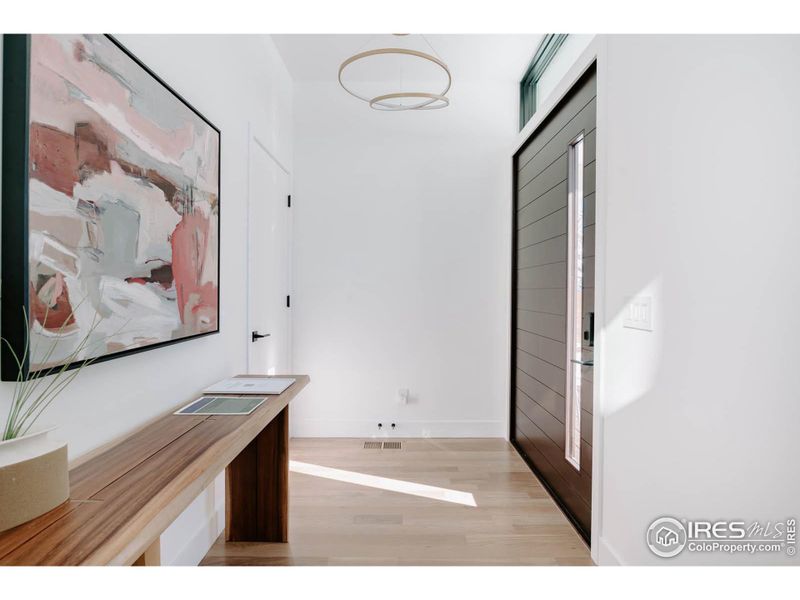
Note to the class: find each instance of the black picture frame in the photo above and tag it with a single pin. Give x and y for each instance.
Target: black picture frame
(14, 257)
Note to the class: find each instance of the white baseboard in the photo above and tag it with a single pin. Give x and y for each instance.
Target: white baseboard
(198, 546)
(189, 538)
(404, 429)
(606, 555)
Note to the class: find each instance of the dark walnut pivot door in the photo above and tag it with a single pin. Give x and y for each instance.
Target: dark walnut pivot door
(553, 300)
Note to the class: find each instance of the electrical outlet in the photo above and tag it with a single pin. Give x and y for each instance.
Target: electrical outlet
(402, 395)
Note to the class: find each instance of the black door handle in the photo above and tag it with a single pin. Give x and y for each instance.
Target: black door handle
(257, 336)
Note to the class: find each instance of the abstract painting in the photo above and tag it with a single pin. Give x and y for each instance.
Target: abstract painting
(111, 216)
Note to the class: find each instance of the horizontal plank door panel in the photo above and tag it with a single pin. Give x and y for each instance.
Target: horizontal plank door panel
(539, 297)
(589, 178)
(547, 398)
(548, 300)
(575, 506)
(580, 484)
(551, 326)
(549, 251)
(559, 118)
(590, 146)
(541, 370)
(550, 177)
(546, 204)
(583, 122)
(586, 427)
(544, 229)
(580, 481)
(553, 275)
(548, 350)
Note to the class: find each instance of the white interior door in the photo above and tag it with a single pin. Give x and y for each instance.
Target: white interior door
(268, 264)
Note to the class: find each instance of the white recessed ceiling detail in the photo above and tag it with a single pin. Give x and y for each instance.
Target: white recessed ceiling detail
(408, 78)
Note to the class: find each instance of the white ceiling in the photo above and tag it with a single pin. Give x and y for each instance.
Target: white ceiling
(491, 58)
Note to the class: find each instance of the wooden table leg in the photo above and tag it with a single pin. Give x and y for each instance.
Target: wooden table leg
(257, 487)
(151, 556)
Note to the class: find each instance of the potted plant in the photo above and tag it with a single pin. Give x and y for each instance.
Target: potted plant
(34, 475)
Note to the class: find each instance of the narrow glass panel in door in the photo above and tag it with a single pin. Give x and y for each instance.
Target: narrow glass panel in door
(572, 438)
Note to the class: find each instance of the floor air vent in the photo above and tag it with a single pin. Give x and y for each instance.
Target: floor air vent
(392, 445)
(372, 445)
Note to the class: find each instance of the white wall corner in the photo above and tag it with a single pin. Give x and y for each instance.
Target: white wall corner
(606, 556)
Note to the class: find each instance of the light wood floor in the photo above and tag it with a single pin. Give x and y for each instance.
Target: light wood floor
(333, 522)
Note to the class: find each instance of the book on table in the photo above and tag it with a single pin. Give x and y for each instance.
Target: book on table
(255, 386)
(222, 405)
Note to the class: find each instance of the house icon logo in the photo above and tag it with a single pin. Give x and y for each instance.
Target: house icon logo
(666, 537)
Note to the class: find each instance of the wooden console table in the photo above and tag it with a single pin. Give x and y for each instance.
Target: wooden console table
(123, 498)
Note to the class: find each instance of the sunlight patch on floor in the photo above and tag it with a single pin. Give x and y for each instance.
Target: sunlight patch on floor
(384, 483)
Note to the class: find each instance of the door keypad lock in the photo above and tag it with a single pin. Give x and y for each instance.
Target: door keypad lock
(588, 329)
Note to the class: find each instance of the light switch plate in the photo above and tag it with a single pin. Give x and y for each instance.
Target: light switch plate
(639, 313)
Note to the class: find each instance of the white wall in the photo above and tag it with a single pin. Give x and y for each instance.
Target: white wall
(231, 80)
(401, 234)
(701, 416)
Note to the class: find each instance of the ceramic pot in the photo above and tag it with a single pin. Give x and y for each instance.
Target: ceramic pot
(34, 477)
